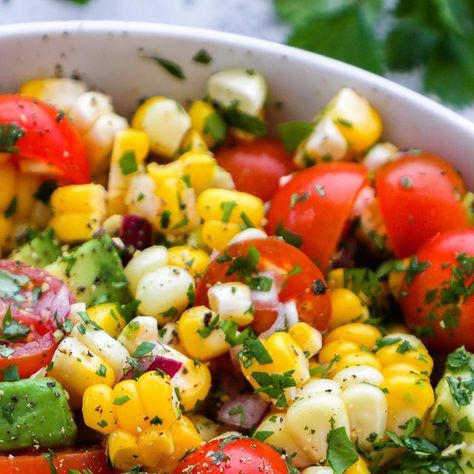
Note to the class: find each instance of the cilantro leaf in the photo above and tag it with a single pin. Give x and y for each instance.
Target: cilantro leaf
(341, 452)
(293, 133)
(347, 34)
(12, 330)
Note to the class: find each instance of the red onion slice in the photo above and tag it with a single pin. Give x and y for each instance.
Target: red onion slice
(244, 411)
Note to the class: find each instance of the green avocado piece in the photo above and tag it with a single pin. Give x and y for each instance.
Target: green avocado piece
(35, 412)
(41, 250)
(93, 272)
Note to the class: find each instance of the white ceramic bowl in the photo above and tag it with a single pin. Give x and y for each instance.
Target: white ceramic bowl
(107, 56)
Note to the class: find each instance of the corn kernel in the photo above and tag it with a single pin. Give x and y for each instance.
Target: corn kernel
(347, 308)
(194, 260)
(358, 333)
(307, 337)
(107, 317)
(216, 234)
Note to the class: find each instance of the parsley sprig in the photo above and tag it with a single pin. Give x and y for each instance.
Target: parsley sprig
(434, 35)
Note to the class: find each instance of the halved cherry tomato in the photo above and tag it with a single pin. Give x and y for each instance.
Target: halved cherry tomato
(234, 455)
(48, 136)
(93, 459)
(256, 166)
(315, 207)
(420, 195)
(437, 295)
(302, 282)
(39, 303)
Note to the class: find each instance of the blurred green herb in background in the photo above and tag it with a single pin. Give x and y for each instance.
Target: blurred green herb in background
(80, 2)
(434, 35)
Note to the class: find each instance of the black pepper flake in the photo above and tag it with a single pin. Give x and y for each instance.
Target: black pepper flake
(318, 287)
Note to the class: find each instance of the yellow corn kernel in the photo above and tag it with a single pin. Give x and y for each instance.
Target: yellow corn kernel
(360, 467)
(75, 369)
(191, 325)
(123, 450)
(9, 184)
(27, 186)
(108, 318)
(358, 333)
(417, 357)
(396, 279)
(201, 169)
(161, 172)
(130, 413)
(194, 260)
(335, 278)
(356, 119)
(98, 409)
(156, 395)
(186, 438)
(179, 206)
(165, 122)
(216, 234)
(353, 359)
(335, 349)
(286, 356)
(307, 337)
(192, 384)
(401, 368)
(78, 211)
(200, 112)
(347, 308)
(194, 141)
(408, 396)
(6, 227)
(228, 206)
(155, 446)
(127, 143)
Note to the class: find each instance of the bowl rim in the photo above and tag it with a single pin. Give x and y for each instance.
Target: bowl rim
(19, 30)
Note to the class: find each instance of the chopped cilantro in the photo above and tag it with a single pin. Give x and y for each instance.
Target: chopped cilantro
(10, 210)
(12, 330)
(170, 66)
(143, 349)
(10, 133)
(128, 162)
(215, 126)
(293, 133)
(341, 453)
(202, 57)
(120, 400)
(288, 236)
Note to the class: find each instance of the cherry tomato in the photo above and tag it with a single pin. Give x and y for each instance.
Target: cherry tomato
(256, 167)
(437, 295)
(234, 455)
(93, 459)
(301, 282)
(33, 305)
(315, 206)
(419, 195)
(47, 136)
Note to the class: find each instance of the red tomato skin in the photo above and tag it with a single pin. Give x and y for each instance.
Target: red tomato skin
(257, 166)
(48, 137)
(93, 458)
(313, 309)
(440, 251)
(420, 195)
(242, 455)
(320, 217)
(37, 351)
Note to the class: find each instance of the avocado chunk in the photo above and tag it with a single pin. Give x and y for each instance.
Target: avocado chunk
(451, 421)
(35, 412)
(93, 272)
(42, 249)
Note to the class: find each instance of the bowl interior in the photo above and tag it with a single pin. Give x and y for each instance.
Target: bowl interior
(108, 56)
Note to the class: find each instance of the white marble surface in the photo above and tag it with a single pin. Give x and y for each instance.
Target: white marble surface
(247, 17)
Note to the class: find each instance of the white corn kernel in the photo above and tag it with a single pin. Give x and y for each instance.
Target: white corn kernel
(247, 89)
(325, 142)
(88, 107)
(358, 374)
(231, 300)
(99, 139)
(248, 234)
(139, 329)
(164, 293)
(379, 155)
(318, 470)
(74, 311)
(141, 198)
(144, 262)
(309, 421)
(314, 386)
(104, 346)
(281, 438)
(367, 409)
